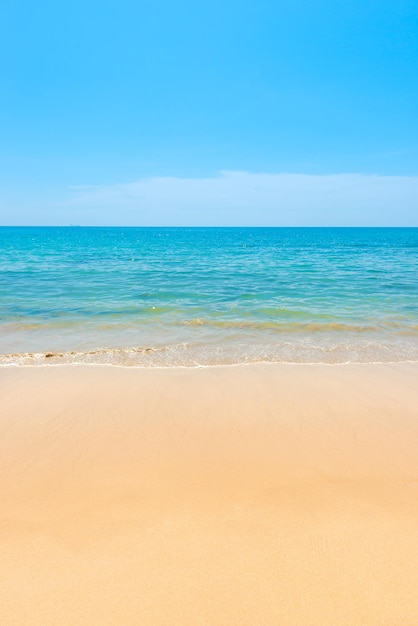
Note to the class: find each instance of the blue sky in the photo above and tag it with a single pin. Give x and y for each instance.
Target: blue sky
(99, 97)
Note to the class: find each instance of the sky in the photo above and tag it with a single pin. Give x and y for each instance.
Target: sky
(217, 113)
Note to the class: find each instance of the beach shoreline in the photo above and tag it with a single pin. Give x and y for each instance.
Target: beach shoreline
(248, 494)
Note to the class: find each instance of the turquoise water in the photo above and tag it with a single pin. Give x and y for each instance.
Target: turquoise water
(200, 296)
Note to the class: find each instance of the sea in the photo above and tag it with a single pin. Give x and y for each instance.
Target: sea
(163, 297)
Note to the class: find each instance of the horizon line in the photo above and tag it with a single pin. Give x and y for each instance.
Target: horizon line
(197, 226)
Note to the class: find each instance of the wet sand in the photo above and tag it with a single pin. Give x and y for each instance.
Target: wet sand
(249, 495)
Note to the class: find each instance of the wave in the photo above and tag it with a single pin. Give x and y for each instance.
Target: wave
(229, 353)
(307, 327)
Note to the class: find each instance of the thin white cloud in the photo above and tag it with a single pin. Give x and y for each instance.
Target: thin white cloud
(244, 198)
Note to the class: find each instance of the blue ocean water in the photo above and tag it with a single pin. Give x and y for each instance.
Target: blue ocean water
(201, 296)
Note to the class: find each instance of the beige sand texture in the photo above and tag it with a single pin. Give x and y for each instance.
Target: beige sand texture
(249, 495)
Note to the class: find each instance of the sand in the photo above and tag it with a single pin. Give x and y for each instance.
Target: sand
(249, 495)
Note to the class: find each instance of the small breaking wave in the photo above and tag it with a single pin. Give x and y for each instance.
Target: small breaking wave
(299, 327)
(229, 353)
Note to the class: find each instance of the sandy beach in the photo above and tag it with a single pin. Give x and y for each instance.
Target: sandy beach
(247, 495)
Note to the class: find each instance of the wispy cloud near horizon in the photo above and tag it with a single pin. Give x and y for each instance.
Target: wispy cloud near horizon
(250, 199)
